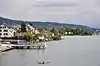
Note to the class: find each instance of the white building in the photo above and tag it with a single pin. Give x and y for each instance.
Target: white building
(68, 33)
(31, 28)
(41, 37)
(6, 31)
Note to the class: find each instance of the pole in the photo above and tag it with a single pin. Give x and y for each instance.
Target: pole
(0, 40)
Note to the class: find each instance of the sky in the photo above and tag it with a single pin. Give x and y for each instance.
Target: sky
(84, 12)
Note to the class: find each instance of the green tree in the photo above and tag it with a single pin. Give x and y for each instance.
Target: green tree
(23, 27)
(28, 36)
(56, 37)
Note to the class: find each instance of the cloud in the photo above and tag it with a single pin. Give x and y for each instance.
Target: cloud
(55, 4)
(86, 12)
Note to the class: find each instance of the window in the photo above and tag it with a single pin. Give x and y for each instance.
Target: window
(5, 30)
(0, 33)
(5, 33)
(0, 30)
(11, 31)
(4, 27)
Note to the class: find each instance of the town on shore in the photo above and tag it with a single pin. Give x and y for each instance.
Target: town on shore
(26, 31)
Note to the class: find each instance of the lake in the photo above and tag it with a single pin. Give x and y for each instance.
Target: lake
(71, 51)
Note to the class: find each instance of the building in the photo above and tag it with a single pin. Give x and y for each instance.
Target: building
(68, 33)
(41, 38)
(6, 31)
(31, 28)
(19, 35)
(17, 27)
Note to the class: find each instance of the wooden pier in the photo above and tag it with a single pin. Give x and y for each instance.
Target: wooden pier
(28, 47)
(14, 46)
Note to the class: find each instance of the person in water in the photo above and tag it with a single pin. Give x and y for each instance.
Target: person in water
(43, 62)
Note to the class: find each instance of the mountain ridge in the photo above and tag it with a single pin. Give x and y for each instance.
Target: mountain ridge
(41, 24)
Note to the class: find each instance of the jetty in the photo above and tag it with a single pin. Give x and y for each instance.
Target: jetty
(28, 46)
(6, 46)
(16, 46)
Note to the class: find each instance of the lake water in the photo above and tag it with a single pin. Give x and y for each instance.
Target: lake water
(71, 51)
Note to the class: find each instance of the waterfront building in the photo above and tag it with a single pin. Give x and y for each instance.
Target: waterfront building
(6, 31)
(41, 38)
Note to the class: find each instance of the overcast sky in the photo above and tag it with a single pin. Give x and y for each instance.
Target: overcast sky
(85, 12)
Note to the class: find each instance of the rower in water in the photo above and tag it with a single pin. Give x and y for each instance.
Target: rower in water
(43, 62)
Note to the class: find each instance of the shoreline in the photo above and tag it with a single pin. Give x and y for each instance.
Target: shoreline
(4, 49)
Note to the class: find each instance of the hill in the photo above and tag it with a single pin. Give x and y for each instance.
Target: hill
(48, 24)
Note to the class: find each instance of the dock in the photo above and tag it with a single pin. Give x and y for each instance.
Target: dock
(28, 46)
(6, 46)
(16, 46)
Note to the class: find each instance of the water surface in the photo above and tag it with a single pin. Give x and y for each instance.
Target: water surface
(71, 51)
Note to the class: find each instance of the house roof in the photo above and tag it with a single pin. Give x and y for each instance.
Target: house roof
(9, 26)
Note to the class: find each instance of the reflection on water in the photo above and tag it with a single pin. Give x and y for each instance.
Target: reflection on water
(42, 54)
(72, 51)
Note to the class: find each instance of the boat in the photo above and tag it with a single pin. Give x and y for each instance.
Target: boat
(44, 62)
(6, 43)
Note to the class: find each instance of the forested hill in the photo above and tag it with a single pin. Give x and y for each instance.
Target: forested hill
(41, 24)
